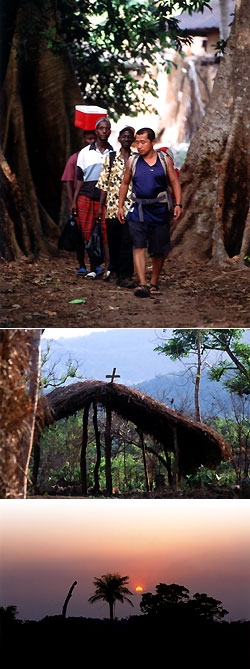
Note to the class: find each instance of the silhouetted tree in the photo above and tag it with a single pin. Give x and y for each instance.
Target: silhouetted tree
(206, 607)
(8, 615)
(111, 588)
(67, 599)
(167, 600)
(173, 601)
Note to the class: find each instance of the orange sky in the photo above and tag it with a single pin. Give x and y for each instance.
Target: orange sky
(47, 544)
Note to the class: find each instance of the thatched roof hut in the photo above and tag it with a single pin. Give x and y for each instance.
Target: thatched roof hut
(197, 443)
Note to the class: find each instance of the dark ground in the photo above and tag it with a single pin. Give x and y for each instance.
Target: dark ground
(37, 294)
(212, 492)
(137, 641)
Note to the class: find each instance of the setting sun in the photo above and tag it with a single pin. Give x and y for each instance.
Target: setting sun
(138, 588)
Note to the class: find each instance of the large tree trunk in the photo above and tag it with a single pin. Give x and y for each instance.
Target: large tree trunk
(198, 379)
(216, 174)
(19, 377)
(37, 102)
(34, 338)
(111, 611)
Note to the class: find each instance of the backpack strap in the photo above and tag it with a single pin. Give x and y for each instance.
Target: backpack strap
(133, 163)
(163, 160)
(162, 157)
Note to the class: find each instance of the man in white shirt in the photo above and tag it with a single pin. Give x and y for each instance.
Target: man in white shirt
(87, 196)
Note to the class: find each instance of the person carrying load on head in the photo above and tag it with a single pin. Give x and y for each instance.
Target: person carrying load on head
(87, 195)
(150, 172)
(121, 266)
(69, 177)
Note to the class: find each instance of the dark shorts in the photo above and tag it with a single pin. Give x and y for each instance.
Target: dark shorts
(155, 238)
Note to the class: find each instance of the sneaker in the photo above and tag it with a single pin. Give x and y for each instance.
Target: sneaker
(82, 271)
(106, 276)
(90, 275)
(99, 271)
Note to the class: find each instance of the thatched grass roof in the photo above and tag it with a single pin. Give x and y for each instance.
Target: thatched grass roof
(198, 444)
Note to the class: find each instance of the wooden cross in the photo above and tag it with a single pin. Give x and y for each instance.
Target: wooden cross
(113, 375)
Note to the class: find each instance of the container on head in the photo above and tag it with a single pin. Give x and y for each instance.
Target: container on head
(86, 116)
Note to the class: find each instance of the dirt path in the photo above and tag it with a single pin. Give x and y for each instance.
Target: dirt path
(38, 294)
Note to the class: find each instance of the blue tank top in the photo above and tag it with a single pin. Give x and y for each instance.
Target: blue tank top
(148, 182)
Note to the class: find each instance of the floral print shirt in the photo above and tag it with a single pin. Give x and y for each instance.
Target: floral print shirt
(110, 181)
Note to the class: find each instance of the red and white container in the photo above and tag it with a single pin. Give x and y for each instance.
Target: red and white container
(87, 116)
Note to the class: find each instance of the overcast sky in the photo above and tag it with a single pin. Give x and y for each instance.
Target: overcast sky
(56, 333)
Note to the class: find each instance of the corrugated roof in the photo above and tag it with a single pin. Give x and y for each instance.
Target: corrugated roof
(203, 21)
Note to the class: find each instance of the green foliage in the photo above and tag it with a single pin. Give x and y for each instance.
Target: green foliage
(68, 474)
(60, 452)
(235, 368)
(114, 44)
(236, 431)
(50, 378)
(223, 475)
(60, 455)
(184, 341)
(220, 46)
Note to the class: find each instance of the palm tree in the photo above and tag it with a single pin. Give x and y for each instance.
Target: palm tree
(111, 588)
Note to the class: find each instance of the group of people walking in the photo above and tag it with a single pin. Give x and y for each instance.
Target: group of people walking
(128, 193)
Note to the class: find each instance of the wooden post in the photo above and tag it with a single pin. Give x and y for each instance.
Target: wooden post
(198, 378)
(168, 462)
(98, 450)
(83, 464)
(176, 456)
(36, 460)
(108, 472)
(140, 432)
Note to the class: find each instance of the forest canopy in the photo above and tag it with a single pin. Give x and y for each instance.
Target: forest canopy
(112, 43)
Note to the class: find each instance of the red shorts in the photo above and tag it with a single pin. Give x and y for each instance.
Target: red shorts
(86, 218)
